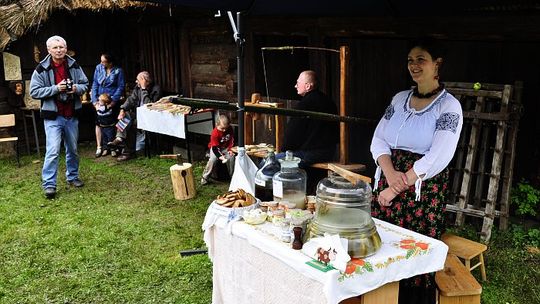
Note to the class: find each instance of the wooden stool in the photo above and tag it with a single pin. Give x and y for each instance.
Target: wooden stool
(456, 284)
(466, 250)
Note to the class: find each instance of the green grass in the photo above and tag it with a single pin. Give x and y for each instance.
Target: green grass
(117, 239)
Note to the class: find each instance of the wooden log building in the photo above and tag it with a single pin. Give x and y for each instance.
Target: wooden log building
(193, 52)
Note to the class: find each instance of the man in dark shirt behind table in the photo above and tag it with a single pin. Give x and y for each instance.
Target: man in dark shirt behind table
(311, 140)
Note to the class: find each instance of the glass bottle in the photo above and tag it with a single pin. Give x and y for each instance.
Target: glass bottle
(263, 178)
(289, 184)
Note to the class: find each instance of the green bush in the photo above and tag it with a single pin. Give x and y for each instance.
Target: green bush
(525, 237)
(526, 198)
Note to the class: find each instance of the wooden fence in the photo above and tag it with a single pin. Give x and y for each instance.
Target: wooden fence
(481, 173)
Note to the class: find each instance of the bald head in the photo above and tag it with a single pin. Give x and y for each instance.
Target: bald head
(310, 77)
(306, 82)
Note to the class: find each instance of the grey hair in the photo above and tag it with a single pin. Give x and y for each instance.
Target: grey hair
(56, 38)
(146, 76)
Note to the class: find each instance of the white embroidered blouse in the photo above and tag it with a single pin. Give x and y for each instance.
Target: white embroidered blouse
(433, 132)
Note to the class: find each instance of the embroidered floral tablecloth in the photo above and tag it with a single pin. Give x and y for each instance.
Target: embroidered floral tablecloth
(403, 254)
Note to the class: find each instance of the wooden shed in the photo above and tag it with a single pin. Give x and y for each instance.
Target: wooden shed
(193, 51)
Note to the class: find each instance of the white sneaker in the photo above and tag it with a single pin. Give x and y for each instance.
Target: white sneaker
(204, 181)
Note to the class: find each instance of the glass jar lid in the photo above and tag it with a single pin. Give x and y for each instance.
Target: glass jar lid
(337, 190)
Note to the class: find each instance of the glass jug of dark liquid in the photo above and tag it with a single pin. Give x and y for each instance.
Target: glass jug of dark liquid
(263, 178)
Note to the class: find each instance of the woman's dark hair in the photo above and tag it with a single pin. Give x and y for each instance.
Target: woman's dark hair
(430, 45)
(108, 57)
(433, 47)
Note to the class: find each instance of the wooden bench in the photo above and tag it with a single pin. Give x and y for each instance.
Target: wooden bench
(466, 250)
(456, 284)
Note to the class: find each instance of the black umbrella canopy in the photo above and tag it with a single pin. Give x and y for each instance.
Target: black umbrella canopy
(334, 7)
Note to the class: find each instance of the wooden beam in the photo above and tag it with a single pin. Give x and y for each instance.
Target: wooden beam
(343, 129)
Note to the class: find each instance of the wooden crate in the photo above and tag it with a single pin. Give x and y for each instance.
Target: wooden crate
(482, 169)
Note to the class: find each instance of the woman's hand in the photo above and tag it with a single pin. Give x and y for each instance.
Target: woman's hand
(386, 196)
(397, 180)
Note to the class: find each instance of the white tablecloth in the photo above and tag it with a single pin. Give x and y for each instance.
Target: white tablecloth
(251, 266)
(164, 122)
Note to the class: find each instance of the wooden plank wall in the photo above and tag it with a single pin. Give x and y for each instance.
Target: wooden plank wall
(212, 60)
(160, 55)
(494, 49)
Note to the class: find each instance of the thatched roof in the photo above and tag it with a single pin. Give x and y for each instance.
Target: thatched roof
(19, 16)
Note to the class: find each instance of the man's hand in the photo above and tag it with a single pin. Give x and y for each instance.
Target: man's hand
(231, 153)
(62, 86)
(122, 114)
(142, 83)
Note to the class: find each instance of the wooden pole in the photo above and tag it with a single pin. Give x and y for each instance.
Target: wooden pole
(199, 103)
(343, 130)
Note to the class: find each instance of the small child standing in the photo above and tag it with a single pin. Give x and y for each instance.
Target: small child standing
(106, 120)
(220, 145)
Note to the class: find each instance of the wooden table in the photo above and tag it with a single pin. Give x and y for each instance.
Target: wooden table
(177, 125)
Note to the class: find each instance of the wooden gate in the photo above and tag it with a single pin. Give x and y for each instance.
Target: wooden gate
(481, 174)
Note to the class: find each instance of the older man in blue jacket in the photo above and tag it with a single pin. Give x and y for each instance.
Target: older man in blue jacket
(58, 81)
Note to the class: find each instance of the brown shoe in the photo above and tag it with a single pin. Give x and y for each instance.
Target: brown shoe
(116, 142)
(124, 157)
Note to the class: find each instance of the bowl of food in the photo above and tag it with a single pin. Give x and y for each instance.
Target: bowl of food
(234, 203)
(254, 217)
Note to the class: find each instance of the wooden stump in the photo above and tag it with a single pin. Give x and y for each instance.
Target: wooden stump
(183, 181)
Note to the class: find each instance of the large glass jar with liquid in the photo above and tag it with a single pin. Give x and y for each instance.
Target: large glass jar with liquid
(345, 209)
(289, 184)
(263, 178)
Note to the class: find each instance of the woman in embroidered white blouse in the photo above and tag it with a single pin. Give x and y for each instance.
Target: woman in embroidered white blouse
(412, 146)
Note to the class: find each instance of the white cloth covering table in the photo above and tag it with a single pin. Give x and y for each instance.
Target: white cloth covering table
(252, 266)
(164, 122)
(176, 125)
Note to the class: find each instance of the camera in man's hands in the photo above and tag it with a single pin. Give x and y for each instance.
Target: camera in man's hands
(69, 85)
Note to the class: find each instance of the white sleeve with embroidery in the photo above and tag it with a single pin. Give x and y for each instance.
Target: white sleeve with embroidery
(379, 146)
(445, 139)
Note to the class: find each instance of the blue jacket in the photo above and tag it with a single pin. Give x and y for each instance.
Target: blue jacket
(113, 84)
(43, 86)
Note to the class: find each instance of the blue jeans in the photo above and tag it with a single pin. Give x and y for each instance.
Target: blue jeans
(55, 131)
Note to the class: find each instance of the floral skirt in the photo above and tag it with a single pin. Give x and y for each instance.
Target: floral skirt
(425, 216)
